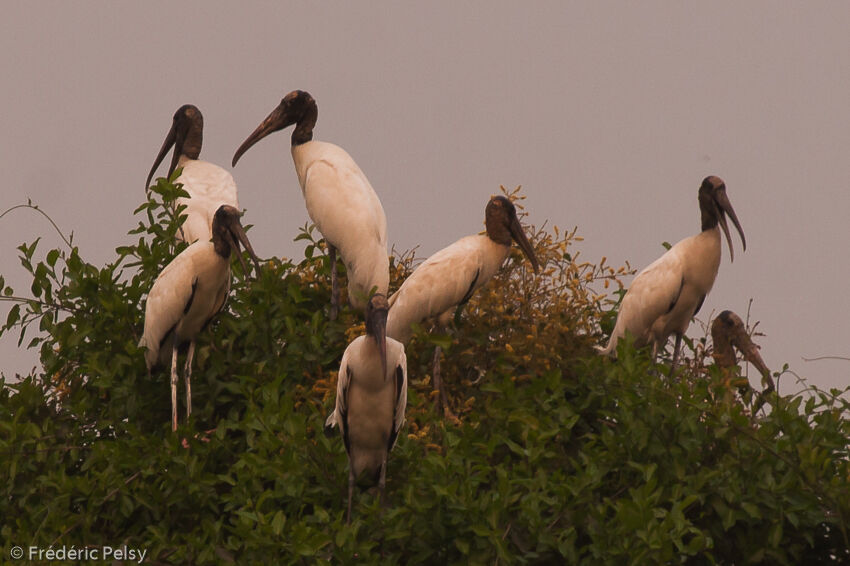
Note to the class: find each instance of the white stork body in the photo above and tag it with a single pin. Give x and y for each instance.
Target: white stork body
(197, 277)
(681, 278)
(348, 213)
(448, 278)
(188, 292)
(339, 199)
(371, 398)
(666, 295)
(209, 186)
(442, 282)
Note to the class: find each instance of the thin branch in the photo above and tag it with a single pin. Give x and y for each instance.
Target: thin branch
(37, 209)
(805, 359)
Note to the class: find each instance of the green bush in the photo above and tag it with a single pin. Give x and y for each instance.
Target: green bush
(557, 456)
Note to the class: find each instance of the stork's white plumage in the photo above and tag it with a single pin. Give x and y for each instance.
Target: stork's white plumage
(448, 278)
(728, 333)
(209, 186)
(339, 199)
(666, 295)
(371, 397)
(187, 294)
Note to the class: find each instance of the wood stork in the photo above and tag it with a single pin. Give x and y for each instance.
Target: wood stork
(668, 293)
(371, 397)
(339, 198)
(187, 294)
(728, 333)
(209, 186)
(447, 279)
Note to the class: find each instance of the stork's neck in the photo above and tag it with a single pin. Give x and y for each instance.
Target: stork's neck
(709, 211)
(193, 142)
(499, 233)
(724, 354)
(221, 245)
(304, 127)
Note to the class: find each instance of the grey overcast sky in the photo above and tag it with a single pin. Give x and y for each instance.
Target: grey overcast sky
(608, 113)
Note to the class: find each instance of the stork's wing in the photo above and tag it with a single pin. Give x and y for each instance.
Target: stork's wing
(400, 376)
(341, 202)
(350, 217)
(443, 281)
(169, 298)
(339, 416)
(652, 294)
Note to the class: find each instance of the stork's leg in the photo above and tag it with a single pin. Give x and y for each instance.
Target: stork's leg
(350, 490)
(334, 283)
(442, 400)
(187, 375)
(382, 482)
(174, 388)
(675, 354)
(438, 383)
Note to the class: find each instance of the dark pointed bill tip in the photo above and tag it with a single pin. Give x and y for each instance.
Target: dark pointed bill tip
(722, 201)
(277, 120)
(521, 239)
(170, 139)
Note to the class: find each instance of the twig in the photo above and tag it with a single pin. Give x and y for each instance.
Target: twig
(37, 209)
(805, 359)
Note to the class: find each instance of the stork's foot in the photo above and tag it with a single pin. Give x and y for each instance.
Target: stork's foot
(198, 436)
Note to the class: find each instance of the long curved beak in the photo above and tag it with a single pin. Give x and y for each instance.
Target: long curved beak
(380, 328)
(275, 121)
(170, 140)
(726, 208)
(751, 354)
(519, 237)
(238, 235)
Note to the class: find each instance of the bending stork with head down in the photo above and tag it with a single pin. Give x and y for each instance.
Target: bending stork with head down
(371, 397)
(729, 333)
(667, 294)
(448, 279)
(187, 294)
(339, 198)
(209, 186)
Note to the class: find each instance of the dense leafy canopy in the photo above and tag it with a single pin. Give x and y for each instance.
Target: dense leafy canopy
(557, 456)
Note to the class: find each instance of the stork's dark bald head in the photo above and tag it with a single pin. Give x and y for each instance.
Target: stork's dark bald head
(186, 135)
(298, 108)
(503, 225)
(714, 206)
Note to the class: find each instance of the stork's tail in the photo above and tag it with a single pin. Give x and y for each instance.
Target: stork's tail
(330, 424)
(610, 350)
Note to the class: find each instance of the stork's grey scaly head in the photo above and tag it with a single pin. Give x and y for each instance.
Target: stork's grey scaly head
(714, 206)
(503, 225)
(298, 108)
(186, 135)
(227, 234)
(728, 331)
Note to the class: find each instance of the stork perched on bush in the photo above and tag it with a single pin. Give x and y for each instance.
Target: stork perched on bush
(187, 294)
(339, 198)
(209, 186)
(371, 397)
(729, 333)
(667, 294)
(448, 279)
